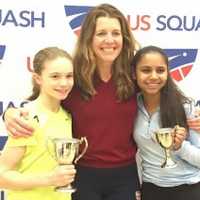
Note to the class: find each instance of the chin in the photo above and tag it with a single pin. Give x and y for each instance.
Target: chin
(64, 97)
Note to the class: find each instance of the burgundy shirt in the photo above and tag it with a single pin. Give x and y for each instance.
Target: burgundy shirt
(106, 123)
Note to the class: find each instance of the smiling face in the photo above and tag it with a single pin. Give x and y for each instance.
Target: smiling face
(151, 73)
(107, 40)
(56, 79)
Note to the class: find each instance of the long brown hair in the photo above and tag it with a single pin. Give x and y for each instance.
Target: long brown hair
(172, 111)
(49, 53)
(84, 58)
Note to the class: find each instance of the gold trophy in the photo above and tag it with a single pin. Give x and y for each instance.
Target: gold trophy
(165, 139)
(66, 151)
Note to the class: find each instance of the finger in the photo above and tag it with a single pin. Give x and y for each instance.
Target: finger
(194, 120)
(24, 126)
(15, 129)
(194, 124)
(181, 134)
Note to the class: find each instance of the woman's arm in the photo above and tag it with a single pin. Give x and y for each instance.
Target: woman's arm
(12, 179)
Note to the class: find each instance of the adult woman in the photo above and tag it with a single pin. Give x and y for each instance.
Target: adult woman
(161, 105)
(103, 106)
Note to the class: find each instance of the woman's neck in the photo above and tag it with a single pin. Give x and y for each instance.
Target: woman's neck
(105, 72)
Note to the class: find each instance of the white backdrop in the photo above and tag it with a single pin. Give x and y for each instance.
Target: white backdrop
(27, 26)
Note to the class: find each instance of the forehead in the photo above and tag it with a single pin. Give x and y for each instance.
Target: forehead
(59, 64)
(107, 23)
(153, 58)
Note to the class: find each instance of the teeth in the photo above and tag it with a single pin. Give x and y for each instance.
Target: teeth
(108, 49)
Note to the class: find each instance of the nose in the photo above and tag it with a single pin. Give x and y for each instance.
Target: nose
(154, 75)
(63, 81)
(109, 38)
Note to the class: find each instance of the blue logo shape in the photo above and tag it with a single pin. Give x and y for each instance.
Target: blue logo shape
(2, 141)
(2, 51)
(181, 62)
(77, 14)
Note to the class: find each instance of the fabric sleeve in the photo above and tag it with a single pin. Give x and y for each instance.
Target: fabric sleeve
(17, 142)
(189, 153)
(190, 149)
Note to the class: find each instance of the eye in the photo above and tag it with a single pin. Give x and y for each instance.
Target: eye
(69, 76)
(116, 33)
(102, 33)
(54, 76)
(160, 70)
(146, 70)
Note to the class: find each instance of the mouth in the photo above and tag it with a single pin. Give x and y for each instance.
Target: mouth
(153, 85)
(62, 92)
(108, 50)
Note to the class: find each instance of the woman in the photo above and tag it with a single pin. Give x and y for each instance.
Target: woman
(162, 105)
(103, 106)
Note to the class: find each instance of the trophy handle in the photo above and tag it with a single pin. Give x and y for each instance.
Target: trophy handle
(83, 139)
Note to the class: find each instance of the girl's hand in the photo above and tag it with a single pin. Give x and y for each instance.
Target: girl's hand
(62, 175)
(180, 135)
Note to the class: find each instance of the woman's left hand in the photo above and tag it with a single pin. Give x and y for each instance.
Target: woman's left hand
(194, 123)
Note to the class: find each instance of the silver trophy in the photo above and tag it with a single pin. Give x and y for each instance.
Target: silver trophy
(165, 139)
(66, 151)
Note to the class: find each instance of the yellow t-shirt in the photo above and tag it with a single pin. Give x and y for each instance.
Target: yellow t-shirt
(38, 157)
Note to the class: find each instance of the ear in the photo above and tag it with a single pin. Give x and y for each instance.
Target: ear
(36, 78)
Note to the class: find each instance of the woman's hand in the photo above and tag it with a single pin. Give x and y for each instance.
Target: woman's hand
(194, 123)
(16, 123)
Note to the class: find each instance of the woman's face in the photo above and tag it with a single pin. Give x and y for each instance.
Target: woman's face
(107, 40)
(151, 73)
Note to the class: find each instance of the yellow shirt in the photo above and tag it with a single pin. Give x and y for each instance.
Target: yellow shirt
(38, 157)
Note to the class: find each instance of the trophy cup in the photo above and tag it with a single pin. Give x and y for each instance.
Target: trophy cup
(165, 139)
(66, 151)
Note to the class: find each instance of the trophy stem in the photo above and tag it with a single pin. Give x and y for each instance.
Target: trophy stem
(169, 163)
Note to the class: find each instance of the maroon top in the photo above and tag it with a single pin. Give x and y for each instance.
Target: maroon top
(107, 124)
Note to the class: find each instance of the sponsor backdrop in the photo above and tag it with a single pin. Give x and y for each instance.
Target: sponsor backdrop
(27, 26)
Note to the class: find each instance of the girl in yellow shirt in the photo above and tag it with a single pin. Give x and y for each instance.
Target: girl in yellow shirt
(27, 169)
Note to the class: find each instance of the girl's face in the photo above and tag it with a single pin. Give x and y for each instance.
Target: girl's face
(151, 73)
(56, 79)
(107, 40)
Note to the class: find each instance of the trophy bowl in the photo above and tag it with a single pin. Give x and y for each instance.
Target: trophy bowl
(66, 151)
(165, 140)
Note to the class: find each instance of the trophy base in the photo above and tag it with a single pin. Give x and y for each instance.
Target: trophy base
(67, 189)
(169, 164)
